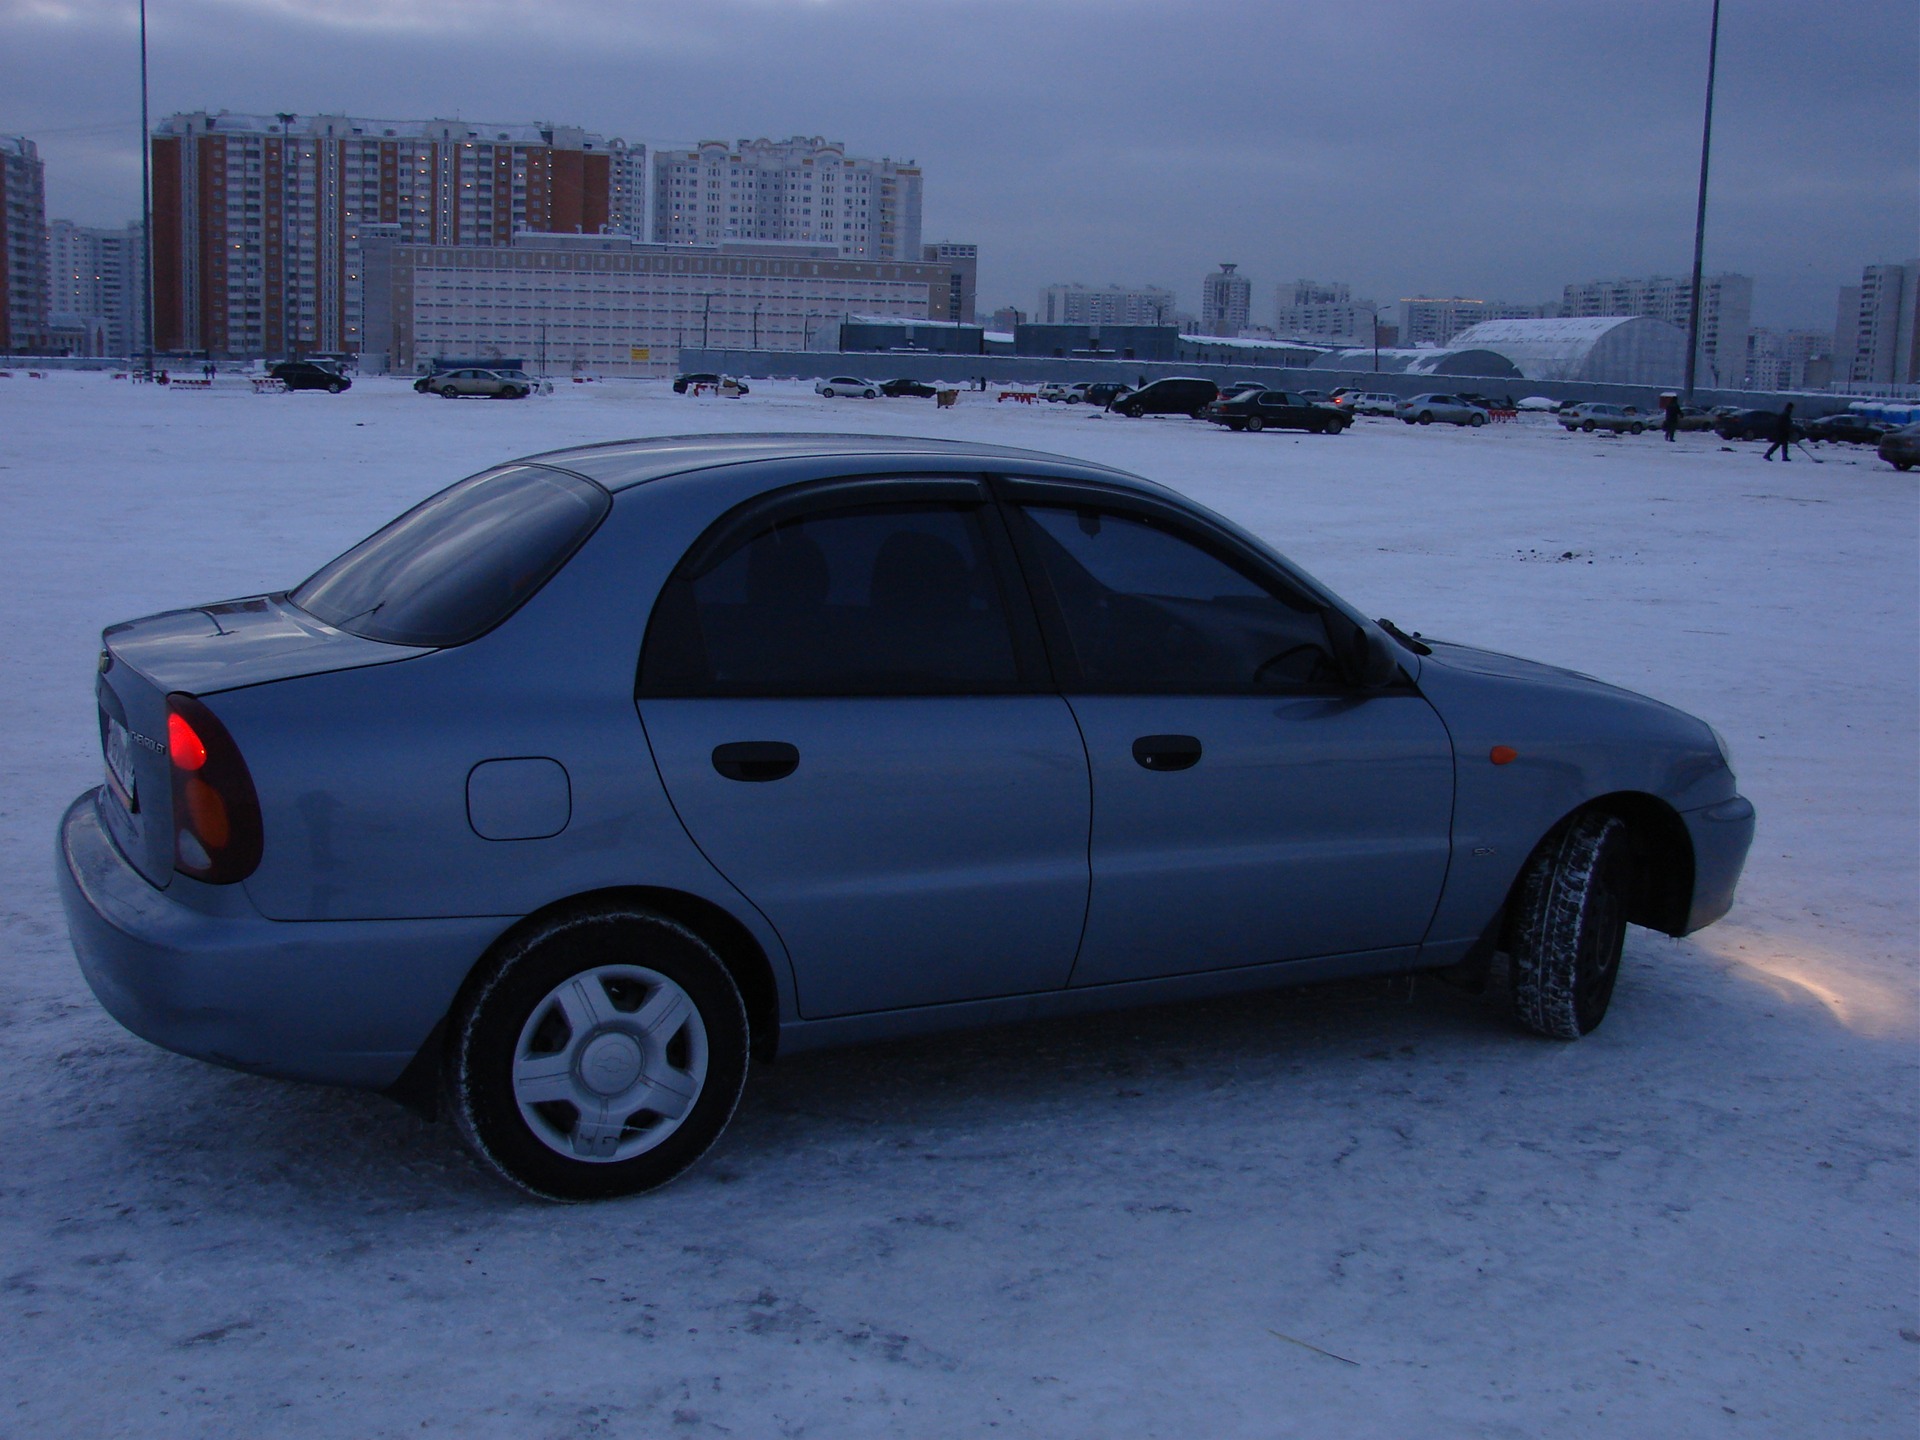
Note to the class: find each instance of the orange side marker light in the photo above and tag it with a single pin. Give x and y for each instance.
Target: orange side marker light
(1503, 754)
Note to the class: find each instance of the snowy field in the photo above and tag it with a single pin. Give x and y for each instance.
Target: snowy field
(1356, 1211)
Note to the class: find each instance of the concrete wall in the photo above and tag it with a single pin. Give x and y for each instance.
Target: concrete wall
(1024, 370)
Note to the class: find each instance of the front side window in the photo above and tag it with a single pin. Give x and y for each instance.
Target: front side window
(1145, 608)
(877, 600)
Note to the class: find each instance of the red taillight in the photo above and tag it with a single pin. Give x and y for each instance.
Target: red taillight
(216, 814)
(186, 749)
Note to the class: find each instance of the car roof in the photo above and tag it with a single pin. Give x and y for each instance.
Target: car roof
(621, 464)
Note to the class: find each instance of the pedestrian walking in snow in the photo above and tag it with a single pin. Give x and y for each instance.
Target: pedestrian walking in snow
(1672, 422)
(1782, 436)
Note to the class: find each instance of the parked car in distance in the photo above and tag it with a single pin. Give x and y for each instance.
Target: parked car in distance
(1103, 392)
(1540, 404)
(488, 384)
(1061, 394)
(1753, 425)
(683, 383)
(1276, 410)
(309, 375)
(1425, 409)
(658, 755)
(1593, 416)
(1373, 402)
(1847, 428)
(1901, 448)
(902, 387)
(1175, 395)
(847, 385)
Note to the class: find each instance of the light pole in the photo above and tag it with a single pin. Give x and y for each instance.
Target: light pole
(756, 327)
(146, 196)
(706, 313)
(1700, 214)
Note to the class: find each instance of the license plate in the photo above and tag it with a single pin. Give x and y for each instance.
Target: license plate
(119, 748)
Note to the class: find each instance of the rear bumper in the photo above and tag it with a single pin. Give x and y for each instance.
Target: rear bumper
(1721, 836)
(197, 970)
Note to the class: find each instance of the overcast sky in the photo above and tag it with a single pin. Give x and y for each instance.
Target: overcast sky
(1490, 148)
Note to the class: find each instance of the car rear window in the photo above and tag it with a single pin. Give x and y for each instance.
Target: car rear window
(455, 566)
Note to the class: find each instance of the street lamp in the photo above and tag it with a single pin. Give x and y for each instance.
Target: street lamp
(1700, 214)
(756, 327)
(706, 313)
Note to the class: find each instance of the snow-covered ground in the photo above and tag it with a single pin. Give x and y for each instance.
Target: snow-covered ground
(1352, 1211)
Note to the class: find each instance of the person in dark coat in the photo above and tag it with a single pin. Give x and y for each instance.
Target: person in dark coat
(1782, 436)
(1672, 422)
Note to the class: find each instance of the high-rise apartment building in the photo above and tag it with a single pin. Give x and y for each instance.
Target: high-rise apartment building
(963, 277)
(806, 190)
(259, 219)
(1107, 305)
(1885, 333)
(98, 275)
(1226, 302)
(1788, 359)
(1425, 320)
(1309, 310)
(627, 188)
(1726, 313)
(23, 245)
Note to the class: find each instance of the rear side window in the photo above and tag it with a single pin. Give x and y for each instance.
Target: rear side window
(881, 600)
(455, 566)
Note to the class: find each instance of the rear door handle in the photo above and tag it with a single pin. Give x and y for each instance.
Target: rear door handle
(756, 760)
(1167, 752)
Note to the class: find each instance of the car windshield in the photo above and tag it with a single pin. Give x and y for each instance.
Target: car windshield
(456, 565)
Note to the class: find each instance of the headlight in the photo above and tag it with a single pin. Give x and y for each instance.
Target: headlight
(1726, 750)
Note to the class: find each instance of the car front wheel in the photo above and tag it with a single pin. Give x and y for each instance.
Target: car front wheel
(1256, 424)
(1569, 928)
(1476, 421)
(448, 392)
(600, 1056)
(1637, 428)
(1426, 417)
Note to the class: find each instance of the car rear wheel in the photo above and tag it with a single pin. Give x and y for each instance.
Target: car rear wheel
(1426, 417)
(1569, 928)
(1637, 428)
(601, 1055)
(1256, 424)
(448, 392)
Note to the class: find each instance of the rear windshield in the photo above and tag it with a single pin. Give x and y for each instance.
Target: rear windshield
(454, 566)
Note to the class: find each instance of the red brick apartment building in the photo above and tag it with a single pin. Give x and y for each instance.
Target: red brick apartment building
(259, 220)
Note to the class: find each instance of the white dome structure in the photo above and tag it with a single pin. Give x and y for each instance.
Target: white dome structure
(1604, 349)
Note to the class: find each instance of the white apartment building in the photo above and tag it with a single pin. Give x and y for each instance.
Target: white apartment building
(806, 189)
(96, 275)
(1788, 359)
(1309, 310)
(629, 189)
(1226, 302)
(606, 305)
(1726, 313)
(1106, 305)
(1425, 320)
(1882, 344)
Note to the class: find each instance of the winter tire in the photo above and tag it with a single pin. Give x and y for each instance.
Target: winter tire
(1587, 425)
(1569, 927)
(1256, 424)
(1476, 421)
(601, 1055)
(1132, 412)
(1637, 428)
(1426, 417)
(334, 387)
(447, 392)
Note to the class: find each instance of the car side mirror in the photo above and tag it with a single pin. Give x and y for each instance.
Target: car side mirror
(1366, 658)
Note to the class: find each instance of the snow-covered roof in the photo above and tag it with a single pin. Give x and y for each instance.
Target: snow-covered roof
(909, 321)
(1615, 349)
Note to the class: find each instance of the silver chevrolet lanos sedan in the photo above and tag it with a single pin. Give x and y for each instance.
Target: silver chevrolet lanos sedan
(601, 772)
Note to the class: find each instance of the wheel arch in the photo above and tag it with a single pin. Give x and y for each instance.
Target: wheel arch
(1660, 849)
(418, 1087)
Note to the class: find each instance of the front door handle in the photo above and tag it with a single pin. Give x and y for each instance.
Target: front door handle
(755, 760)
(1167, 752)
